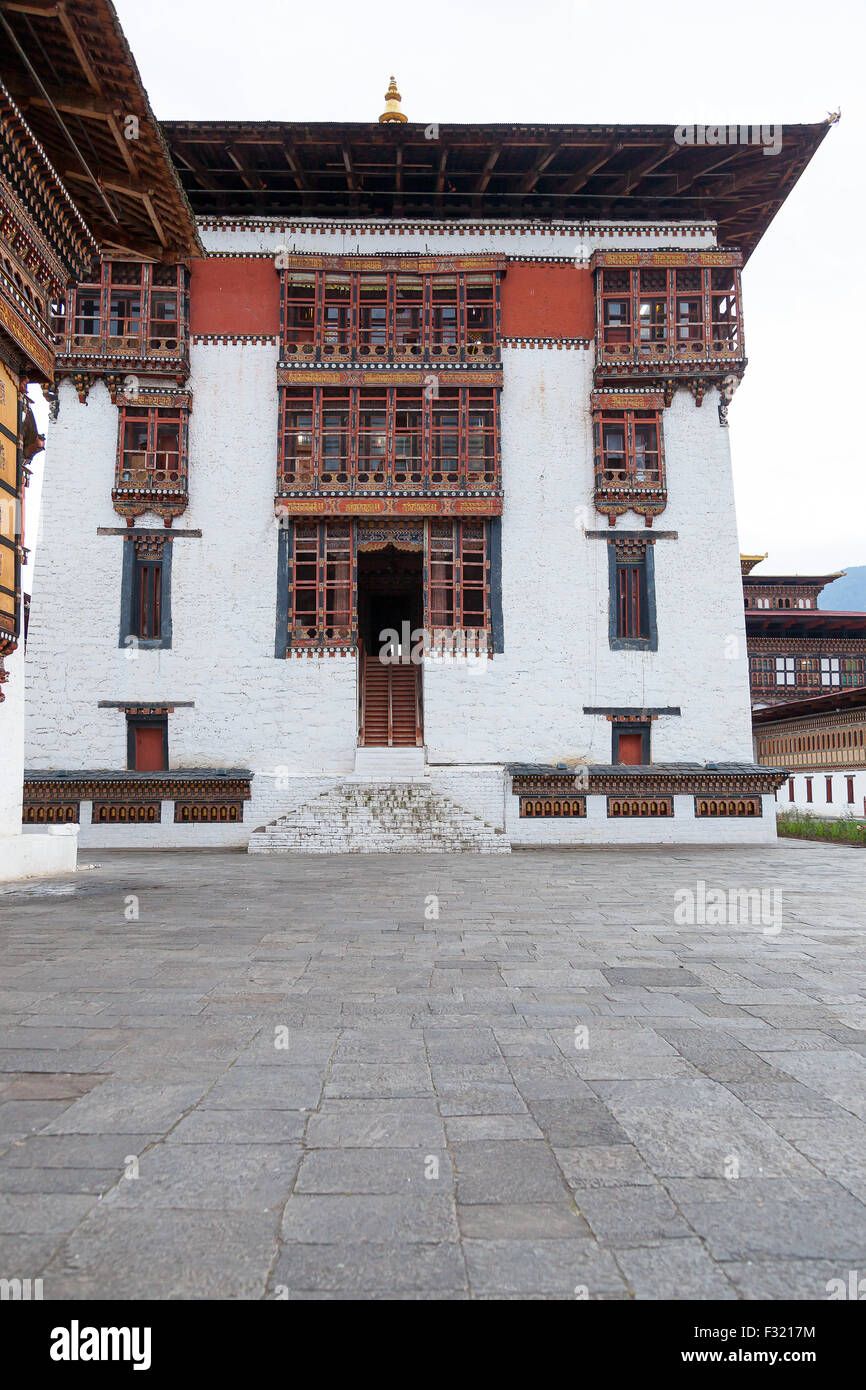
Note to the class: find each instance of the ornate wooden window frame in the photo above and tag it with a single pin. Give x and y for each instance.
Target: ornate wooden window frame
(401, 332)
(161, 490)
(631, 486)
(454, 551)
(87, 356)
(404, 472)
(661, 340)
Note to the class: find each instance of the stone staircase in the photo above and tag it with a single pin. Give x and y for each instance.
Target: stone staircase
(379, 818)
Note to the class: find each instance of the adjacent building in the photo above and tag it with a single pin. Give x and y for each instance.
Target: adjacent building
(404, 517)
(83, 169)
(807, 668)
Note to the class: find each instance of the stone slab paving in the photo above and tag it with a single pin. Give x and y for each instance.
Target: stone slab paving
(444, 1077)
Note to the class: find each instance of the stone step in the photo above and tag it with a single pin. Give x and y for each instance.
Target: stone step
(364, 817)
(376, 762)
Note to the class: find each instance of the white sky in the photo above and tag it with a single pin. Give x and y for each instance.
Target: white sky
(797, 444)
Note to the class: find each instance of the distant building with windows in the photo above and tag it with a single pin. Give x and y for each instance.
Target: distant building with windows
(404, 518)
(807, 668)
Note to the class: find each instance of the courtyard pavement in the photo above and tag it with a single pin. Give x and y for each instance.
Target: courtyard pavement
(555, 1074)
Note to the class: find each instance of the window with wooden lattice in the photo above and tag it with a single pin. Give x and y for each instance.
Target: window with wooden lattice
(458, 583)
(378, 438)
(669, 313)
(629, 456)
(321, 584)
(132, 307)
(390, 315)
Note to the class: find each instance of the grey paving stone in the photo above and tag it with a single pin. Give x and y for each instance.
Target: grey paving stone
(178, 1254)
(266, 1088)
(350, 1171)
(45, 1212)
(239, 1127)
(128, 1107)
(332, 1220)
(676, 1269)
(573, 1123)
(625, 1216)
(703, 1045)
(374, 1128)
(567, 1268)
(57, 1180)
(828, 1227)
(359, 1079)
(77, 1150)
(608, 1165)
(509, 1171)
(361, 1268)
(531, 1221)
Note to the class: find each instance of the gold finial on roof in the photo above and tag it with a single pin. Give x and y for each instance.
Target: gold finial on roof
(392, 110)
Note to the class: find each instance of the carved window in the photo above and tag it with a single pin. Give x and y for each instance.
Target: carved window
(321, 586)
(134, 307)
(390, 315)
(388, 437)
(668, 312)
(459, 580)
(853, 670)
(150, 446)
(629, 460)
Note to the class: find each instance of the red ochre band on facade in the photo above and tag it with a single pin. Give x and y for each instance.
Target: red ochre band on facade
(229, 296)
(547, 301)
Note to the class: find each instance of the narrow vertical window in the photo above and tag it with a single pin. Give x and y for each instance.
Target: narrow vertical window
(849, 782)
(809, 789)
(147, 604)
(631, 600)
(829, 785)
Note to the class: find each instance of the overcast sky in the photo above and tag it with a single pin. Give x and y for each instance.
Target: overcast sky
(798, 449)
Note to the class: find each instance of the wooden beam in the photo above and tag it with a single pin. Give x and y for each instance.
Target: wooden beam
(78, 48)
(634, 176)
(123, 145)
(73, 103)
(157, 226)
(487, 171)
(350, 172)
(530, 179)
(440, 177)
(583, 175)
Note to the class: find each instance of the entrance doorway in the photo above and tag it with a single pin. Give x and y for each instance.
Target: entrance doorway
(390, 602)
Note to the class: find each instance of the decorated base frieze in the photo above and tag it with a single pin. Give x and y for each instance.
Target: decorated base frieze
(728, 806)
(388, 506)
(135, 798)
(635, 806)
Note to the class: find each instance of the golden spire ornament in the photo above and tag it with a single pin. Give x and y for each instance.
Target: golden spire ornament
(393, 98)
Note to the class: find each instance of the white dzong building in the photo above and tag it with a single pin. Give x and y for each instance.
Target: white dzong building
(466, 385)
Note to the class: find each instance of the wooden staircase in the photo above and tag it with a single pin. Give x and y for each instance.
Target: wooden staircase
(390, 704)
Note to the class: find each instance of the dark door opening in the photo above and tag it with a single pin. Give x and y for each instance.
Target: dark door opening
(390, 609)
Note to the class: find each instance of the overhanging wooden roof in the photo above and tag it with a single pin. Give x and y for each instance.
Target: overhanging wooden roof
(803, 622)
(71, 72)
(852, 697)
(551, 172)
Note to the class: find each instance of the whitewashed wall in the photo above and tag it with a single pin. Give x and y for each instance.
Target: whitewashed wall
(296, 718)
(819, 805)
